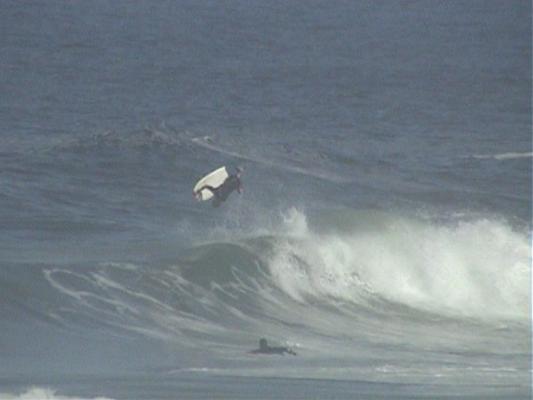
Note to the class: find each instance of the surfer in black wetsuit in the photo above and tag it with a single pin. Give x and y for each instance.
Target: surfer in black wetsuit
(221, 193)
(264, 348)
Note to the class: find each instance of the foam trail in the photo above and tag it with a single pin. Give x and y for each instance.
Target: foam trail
(37, 393)
(504, 156)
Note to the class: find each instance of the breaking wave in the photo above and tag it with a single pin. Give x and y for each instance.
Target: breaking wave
(472, 268)
(320, 271)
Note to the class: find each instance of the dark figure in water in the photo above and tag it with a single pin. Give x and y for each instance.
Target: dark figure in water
(221, 193)
(264, 348)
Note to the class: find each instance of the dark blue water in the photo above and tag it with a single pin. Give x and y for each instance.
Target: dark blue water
(384, 232)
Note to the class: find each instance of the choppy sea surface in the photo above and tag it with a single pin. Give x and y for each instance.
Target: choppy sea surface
(384, 232)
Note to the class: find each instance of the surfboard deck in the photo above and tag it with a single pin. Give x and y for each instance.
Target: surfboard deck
(214, 179)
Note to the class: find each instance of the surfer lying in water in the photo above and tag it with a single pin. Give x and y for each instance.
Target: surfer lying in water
(221, 193)
(264, 348)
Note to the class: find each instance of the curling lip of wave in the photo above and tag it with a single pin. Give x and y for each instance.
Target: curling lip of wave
(472, 269)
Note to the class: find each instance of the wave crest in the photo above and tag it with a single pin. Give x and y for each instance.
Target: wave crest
(473, 268)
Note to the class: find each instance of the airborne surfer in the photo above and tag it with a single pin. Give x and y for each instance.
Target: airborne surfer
(264, 348)
(221, 193)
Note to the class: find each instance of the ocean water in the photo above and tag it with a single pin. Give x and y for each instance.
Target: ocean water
(384, 232)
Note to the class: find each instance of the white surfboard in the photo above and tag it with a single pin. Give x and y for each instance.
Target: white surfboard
(214, 179)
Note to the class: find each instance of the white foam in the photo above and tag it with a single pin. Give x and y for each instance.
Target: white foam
(504, 156)
(479, 268)
(37, 393)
